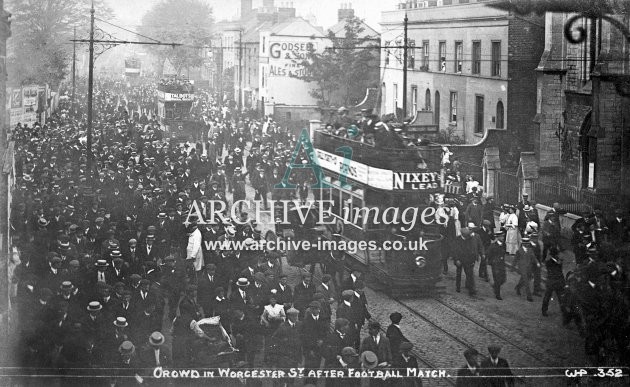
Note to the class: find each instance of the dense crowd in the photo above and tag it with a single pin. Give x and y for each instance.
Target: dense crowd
(116, 280)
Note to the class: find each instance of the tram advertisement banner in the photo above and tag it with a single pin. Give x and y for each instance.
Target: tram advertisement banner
(376, 177)
(168, 97)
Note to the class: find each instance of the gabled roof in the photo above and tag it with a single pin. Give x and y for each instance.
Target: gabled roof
(253, 34)
(339, 30)
(297, 27)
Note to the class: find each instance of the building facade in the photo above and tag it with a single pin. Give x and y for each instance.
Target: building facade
(471, 65)
(282, 49)
(583, 110)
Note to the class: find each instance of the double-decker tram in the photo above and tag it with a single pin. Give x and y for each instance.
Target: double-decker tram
(175, 101)
(381, 204)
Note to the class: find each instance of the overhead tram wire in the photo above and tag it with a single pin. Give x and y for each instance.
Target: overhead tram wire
(124, 29)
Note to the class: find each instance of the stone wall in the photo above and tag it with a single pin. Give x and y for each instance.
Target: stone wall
(526, 45)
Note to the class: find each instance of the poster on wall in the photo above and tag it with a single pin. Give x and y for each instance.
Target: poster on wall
(16, 98)
(15, 116)
(29, 98)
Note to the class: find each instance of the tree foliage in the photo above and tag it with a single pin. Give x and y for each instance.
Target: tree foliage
(39, 50)
(345, 70)
(187, 22)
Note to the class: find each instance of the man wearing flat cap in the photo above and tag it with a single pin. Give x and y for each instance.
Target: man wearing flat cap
(468, 374)
(496, 370)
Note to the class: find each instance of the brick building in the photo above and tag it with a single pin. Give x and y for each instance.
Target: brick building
(583, 118)
(472, 66)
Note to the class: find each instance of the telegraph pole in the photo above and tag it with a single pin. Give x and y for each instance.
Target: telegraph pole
(405, 46)
(90, 91)
(240, 70)
(112, 43)
(74, 62)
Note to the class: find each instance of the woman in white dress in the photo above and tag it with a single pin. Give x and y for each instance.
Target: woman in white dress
(513, 236)
(271, 318)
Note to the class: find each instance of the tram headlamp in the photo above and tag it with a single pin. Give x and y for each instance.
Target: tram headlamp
(420, 261)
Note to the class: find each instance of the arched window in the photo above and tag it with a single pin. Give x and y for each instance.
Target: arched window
(427, 100)
(500, 121)
(436, 113)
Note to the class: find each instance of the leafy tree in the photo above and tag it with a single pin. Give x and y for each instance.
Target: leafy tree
(179, 21)
(39, 50)
(345, 70)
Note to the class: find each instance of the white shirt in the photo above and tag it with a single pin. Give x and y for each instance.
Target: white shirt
(274, 311)
(101, 276)
(157, 356)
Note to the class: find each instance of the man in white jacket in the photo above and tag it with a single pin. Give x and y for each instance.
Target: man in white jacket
(194, 252)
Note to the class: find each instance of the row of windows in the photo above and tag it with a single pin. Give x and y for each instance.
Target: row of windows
(457, 58)
(452, 107)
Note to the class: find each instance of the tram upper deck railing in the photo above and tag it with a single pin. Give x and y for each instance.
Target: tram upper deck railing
(176, 86)
(411, 158)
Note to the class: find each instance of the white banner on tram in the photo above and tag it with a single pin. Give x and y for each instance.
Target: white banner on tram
(376, 177)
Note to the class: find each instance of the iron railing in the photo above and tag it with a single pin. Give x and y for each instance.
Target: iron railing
(571, 198)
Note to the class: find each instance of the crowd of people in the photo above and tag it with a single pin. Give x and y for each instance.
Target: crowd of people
(115, 279)
(593, 294)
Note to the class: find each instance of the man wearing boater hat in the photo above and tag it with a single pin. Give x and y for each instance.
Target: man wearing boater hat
(154, 354)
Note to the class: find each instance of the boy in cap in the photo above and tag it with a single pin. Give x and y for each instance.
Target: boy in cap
(496, 370)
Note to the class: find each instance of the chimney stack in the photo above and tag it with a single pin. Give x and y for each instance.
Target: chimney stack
(246, 7)
(345, 11)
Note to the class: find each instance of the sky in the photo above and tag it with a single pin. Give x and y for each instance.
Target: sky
(129, 12)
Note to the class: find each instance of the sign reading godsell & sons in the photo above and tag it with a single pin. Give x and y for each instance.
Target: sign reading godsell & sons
(285, 58)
